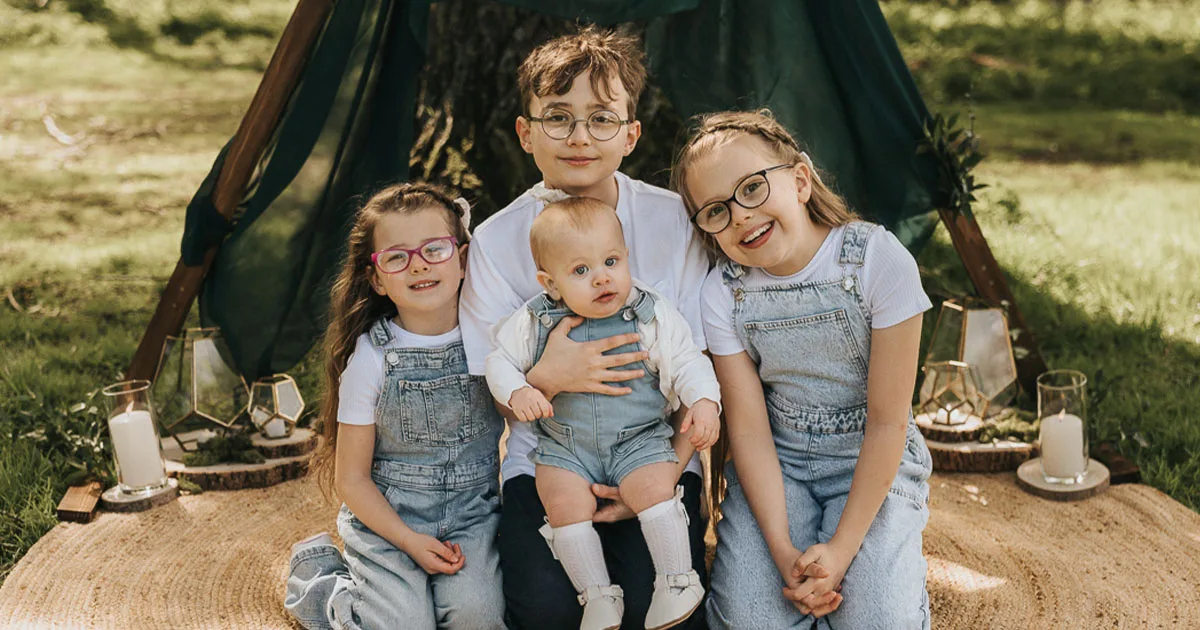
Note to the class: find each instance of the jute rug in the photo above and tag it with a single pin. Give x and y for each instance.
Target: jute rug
(998, 558)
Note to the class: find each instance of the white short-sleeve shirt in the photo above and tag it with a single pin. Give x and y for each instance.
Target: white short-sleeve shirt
(664, 252)
(362, 380)
(890, 281)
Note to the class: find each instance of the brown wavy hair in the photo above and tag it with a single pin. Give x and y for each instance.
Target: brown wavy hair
(825, 207)
(354, 306)
(552, 67)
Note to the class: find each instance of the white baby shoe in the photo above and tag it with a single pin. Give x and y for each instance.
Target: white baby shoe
(675, 598)
(603, 607)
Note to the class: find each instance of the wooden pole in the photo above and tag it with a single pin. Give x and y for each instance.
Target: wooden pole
(989, 281)
(251, 139)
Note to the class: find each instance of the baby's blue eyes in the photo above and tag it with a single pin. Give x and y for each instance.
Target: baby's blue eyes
(580, 270)
(611, 261)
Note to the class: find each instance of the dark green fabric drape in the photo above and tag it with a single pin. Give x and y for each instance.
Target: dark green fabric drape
(830, 70)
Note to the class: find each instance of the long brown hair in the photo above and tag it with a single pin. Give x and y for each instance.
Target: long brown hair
(825, 207)
(354, 306)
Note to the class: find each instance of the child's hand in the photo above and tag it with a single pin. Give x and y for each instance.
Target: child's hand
(434, 555)
(528, 404)
(815, 579)
(704, 419)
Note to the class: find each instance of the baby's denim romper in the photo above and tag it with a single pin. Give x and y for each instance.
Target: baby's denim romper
(436, 462)
(811, 343)
(603, 438)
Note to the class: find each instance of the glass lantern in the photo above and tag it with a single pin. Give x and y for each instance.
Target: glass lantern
(950, 392)
(1062, 407)
(977, 335)
(275, 405)
(196, 387)
(138, 451)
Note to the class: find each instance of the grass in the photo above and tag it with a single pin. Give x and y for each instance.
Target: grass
(1090, 211)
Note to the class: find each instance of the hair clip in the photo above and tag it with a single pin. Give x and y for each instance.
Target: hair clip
(465, 207)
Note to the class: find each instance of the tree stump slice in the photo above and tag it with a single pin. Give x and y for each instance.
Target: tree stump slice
(300, 442)
(241, 476)
(1001, 456)
(1095, 481)
(114, 500)
(968, 431)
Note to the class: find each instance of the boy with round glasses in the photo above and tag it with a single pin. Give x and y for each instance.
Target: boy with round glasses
(570, 86)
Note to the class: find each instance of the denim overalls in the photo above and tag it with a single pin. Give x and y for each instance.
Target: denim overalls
(811, 342)
(603, 438)
(436, 463)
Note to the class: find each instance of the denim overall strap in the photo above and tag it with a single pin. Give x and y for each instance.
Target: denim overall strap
(379, 333)
(642, 308)
(852, 257)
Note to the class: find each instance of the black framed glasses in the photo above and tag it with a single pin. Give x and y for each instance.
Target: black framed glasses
(560, 124)
(397, 259)
(751, 191)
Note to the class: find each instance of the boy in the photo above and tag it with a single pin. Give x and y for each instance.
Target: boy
(579, 95)
(586, 438)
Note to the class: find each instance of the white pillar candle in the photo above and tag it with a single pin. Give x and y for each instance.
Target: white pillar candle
(136, 444)
(1062, 446)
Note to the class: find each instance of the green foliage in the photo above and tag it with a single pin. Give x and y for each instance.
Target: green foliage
(1017, 424)
(27, 498)
(233, 448)
(1103, 53)
(956, 151)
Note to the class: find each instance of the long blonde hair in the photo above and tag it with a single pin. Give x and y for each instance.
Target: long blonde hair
(712, 131)
(354, 305)
(825, 207)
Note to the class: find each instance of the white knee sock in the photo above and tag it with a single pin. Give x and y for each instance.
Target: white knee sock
(665, 527)
(577, 547)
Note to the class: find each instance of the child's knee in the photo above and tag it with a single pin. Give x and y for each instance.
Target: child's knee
(565, 506)
(649, 485)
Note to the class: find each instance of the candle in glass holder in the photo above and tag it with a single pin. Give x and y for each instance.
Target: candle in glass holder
(135, 442)
(1063, 447)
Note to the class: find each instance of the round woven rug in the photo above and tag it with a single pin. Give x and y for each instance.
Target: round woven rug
(998, 558)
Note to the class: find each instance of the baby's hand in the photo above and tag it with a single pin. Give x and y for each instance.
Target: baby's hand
(705, 418)
(529, 404)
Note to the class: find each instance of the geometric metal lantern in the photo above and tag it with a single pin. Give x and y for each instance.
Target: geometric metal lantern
(275, 405)
(196, 386)
(976, 334)
(950, 393)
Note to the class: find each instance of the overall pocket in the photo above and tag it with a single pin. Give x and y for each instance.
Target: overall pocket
(559, 432)
(814, 355)
(435, 412)
(629, 439)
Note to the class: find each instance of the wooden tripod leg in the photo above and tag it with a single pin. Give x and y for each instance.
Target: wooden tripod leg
(989, 281)
(252, 137)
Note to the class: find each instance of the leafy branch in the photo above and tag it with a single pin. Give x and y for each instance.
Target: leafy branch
(956, 152)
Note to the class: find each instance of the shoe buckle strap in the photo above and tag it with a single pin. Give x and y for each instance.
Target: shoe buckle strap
(592, 592)
(681, 580)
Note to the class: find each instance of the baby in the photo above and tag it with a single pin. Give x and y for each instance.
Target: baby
(584, 438)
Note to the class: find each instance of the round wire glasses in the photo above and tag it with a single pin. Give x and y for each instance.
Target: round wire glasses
(750, 192)
(559, 124)
(397, 259)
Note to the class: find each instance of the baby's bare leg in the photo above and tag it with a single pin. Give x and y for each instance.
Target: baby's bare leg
(649, 485)
(567, 497)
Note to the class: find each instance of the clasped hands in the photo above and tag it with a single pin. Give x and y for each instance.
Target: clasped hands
(813, 578)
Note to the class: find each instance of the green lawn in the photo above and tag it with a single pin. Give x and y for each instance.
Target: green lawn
(1091, 209)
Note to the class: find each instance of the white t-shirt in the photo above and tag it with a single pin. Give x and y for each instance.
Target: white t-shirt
(889, 278)
(362, 380)
(664, 252)
(685, 375)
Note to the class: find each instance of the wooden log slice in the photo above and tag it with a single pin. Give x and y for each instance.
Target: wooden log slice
(1095, 481)
(969, 431)
(114, 501)
(239, 476)
(300, 442)
(1000, 456)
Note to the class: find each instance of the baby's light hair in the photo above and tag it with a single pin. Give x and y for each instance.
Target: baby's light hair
(552, 67)
(712, 131)
(570, 215)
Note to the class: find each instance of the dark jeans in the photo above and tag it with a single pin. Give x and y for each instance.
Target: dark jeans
(536, 589)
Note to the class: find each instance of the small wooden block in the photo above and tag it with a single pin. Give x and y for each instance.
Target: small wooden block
(79, 503)
(1095, 480)
(115, 501)
(1000, 456)
(968, 431)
